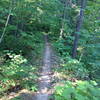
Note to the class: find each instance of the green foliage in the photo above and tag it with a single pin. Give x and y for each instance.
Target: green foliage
(88, 47)
(17, 71)
(62, 48)
(26, 43)
(73, 68)
(81, 90)
(29, 20)
(17, 98)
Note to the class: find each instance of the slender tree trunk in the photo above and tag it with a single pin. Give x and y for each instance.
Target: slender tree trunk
(78, 28)
(6, 24)
(63, 18)
(66, 3)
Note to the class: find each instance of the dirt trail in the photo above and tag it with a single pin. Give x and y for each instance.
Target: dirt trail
(44, 80)
(45, 77)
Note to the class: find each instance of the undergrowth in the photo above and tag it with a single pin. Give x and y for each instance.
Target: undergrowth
(19, 68)
(73, 76)
(80, 90)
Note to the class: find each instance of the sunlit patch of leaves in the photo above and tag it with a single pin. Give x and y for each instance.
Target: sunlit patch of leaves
(17, 72)
(80, 90)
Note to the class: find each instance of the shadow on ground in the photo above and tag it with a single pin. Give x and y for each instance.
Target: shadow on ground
(21, 95)
(24, 96)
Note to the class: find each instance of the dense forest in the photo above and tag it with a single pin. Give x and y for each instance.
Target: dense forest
(55, 40)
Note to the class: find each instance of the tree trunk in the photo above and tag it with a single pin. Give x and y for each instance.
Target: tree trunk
(78, 28)
(66, 3)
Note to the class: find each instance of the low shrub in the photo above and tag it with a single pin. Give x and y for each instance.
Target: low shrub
(16, 71)
(80, 90)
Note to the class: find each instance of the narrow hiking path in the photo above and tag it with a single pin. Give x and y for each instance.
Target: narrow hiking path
(44, 80)
(45, 74)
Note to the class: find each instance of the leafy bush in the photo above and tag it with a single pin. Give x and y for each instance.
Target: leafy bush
(74, 67)
(16, 71)
(62, 47)
(25, 43)
(81, 90)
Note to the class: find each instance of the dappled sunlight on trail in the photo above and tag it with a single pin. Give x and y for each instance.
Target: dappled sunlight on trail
(45, 78)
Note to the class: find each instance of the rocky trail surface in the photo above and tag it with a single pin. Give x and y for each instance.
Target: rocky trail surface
(45, 74)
